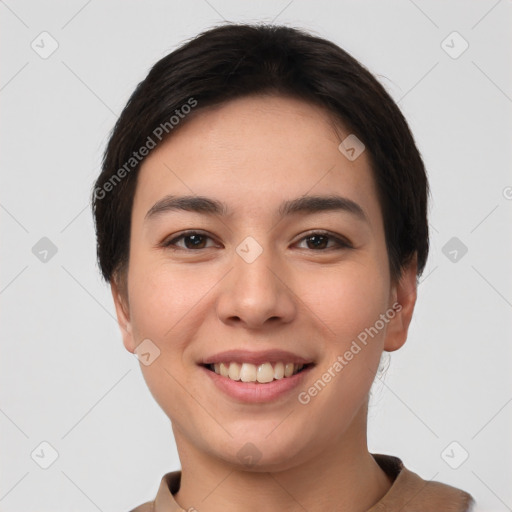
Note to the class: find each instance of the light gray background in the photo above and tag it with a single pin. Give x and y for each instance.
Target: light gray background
(66, 378)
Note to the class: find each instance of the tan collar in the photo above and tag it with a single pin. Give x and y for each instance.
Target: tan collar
(408, 493)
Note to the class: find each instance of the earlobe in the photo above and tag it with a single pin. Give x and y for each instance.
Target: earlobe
(123, 316)
(404, 294)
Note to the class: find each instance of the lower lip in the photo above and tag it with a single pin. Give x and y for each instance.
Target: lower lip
(253, 392)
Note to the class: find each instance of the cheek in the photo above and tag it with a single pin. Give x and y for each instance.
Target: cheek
(163, 298)
(350, 304)
(164, 305)
(347, 301)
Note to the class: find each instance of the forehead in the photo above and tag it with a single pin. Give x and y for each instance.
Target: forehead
(255, 151)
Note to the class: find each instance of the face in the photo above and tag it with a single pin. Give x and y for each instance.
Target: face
(280, 267)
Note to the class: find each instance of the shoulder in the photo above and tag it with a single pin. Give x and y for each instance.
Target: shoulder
(444, 497)
(164, 500)
(409, 492)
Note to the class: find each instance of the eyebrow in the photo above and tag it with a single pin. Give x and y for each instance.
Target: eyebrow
(301, 205)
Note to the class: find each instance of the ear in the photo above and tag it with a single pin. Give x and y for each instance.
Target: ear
(123, 315)
(403, 295)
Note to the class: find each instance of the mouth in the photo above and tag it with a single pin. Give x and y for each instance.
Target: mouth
(266, 376)
(263, 373)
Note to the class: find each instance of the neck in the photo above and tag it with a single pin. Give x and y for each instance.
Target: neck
(344, 476)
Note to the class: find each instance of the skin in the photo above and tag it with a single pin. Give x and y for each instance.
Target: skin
(253, 153)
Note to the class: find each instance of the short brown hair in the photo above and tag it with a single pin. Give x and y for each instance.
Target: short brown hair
(236, 60)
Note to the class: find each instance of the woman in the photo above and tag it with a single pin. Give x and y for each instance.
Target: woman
(261, 218)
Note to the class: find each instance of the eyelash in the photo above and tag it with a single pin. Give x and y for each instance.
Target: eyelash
(342, 244)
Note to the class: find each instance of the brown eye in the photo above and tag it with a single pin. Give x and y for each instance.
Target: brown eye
(322, 241)
(191, 240)
(317, 241)
(194, 241)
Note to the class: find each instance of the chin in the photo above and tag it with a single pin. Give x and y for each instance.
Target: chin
(263, 450)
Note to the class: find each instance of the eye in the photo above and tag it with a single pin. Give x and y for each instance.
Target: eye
(191, 240)
(320, 240)
(317, 241)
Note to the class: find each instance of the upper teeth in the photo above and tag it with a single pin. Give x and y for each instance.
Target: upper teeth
(247, 372)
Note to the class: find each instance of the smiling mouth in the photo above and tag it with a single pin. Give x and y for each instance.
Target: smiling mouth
(259, 373)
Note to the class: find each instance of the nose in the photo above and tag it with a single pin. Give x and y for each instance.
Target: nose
(257, 294)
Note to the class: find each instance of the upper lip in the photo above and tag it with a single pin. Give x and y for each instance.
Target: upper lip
(260, 357)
